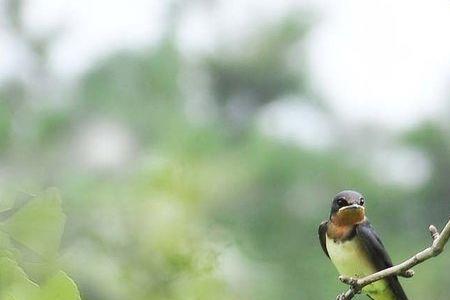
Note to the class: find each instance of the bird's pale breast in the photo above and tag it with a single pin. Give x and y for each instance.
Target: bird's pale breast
(351, 260)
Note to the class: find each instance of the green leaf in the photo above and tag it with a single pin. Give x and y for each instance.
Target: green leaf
(14, 283)
(59, 287)
(39, 224)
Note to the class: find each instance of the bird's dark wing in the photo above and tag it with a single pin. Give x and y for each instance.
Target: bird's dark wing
(323, 236)
(379, 256)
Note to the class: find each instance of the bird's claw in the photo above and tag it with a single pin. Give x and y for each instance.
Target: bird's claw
(408, 273)
(340, 297)
(348, 280)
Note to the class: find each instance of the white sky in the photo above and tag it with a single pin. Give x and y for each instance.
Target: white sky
(92, 29)
(384, 61)
(378, 61)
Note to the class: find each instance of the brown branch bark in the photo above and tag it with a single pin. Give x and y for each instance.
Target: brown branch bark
(403, 269)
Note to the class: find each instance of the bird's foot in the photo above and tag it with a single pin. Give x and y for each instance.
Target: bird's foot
(341, 297)
(348, 280)
(407, 273)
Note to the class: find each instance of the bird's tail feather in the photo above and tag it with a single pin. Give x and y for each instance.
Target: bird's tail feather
(397, 289)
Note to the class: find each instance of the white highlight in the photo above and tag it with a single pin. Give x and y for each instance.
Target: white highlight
(104, 145)
(293, 120)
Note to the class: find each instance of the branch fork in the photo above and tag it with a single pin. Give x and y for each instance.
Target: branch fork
(403, 269)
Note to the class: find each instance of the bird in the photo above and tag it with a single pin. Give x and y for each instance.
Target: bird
(354, 247)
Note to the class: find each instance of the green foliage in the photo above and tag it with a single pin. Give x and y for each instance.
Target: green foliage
(59, 287)
(262, 72)
(37, 226)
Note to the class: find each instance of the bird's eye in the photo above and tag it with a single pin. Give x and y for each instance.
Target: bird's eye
(361, 201)
(342, 202)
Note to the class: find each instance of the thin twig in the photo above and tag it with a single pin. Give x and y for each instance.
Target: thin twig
(403, 269)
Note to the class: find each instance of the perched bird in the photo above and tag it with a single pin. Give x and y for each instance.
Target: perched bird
(354, 247)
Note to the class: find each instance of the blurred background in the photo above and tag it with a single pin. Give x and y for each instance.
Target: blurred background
(197, 145)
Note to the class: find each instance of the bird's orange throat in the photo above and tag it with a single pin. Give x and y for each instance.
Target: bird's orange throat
(343, 222)
(338, 232)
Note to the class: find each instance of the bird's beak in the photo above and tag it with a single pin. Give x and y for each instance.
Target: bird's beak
(354, 207)
(351, 214)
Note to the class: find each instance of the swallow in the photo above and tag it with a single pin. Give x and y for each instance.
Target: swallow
(355, 249)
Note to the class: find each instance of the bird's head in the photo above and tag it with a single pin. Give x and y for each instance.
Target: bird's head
(347, 208)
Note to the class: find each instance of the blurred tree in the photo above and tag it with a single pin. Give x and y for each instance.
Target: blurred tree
(263, 70)
(434, 196)
(141, 90)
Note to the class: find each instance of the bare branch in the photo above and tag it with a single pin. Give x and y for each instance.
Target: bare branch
(403, 269)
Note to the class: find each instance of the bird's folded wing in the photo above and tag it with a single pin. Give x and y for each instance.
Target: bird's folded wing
(379, 256)
(323, 236)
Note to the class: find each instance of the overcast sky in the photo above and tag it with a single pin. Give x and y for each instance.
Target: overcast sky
(379, 61)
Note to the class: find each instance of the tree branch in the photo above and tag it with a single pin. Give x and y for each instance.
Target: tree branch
(403, 269)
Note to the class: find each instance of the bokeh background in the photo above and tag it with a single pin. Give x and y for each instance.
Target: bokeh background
(196, 145)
